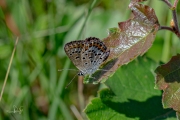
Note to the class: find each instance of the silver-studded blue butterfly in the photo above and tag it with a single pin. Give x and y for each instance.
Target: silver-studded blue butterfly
(87, 55)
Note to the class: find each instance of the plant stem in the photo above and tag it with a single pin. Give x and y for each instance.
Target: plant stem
(7, 73)
(174, 14)
(175, 20)
(168, 3)
(166, 28)
(175, 3)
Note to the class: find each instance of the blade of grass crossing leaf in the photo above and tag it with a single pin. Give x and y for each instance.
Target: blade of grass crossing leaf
(7, 73)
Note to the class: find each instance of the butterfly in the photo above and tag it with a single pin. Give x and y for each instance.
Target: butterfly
(87, 55)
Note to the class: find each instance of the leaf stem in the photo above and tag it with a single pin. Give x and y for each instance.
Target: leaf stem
(168, 3)
(175, 3)
(175, 20)
(166, 28)
(174, 14)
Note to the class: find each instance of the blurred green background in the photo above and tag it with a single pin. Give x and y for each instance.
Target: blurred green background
(43, 28)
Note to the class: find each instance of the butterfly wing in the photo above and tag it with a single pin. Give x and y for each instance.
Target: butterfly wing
(93, 54)
(73, 50)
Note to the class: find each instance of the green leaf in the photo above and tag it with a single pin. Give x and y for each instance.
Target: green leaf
(97, 110)
(131, 95)
(168, 80)
(136, 80)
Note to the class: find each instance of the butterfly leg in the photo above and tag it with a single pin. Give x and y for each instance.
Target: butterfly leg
(92, 77)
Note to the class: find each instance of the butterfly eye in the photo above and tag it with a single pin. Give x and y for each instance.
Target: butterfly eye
(80, 74)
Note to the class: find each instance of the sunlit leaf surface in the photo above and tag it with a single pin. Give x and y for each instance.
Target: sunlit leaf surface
(133, 38)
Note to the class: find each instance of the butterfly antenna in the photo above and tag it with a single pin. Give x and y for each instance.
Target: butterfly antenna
(68, 69)
(70, 81)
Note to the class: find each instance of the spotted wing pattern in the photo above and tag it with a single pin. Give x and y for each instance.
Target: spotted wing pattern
(87, 55)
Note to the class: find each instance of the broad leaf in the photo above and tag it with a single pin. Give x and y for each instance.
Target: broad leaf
(168, 80)
(133, 38)
(130, 95)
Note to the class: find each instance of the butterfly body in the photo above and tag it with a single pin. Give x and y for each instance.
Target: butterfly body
(87, 55)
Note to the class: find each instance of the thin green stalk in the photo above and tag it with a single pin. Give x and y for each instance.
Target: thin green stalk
(7, 73)
(88, 14)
